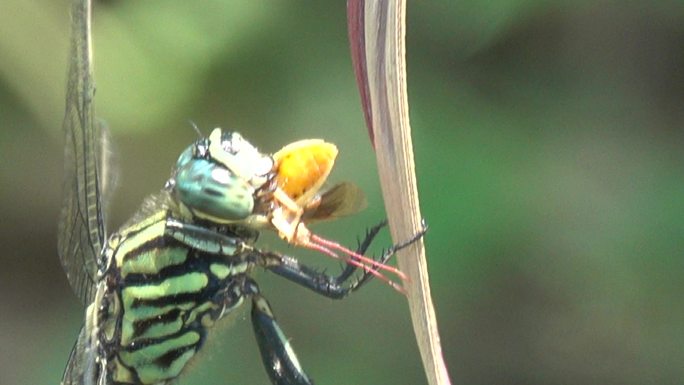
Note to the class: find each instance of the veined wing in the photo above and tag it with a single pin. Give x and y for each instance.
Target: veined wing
(80, 369)
(340, 200)
(81, 224)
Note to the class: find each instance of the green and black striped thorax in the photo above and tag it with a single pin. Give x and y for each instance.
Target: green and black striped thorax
(181, 264)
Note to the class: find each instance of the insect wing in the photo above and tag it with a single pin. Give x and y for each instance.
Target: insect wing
(81, 225)
(81, 366)
(340, 200)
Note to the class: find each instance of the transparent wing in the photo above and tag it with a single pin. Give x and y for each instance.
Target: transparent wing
(342, 199)
(81, 224)
(80, 369)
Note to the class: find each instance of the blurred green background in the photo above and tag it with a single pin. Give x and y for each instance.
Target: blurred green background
(548, 139)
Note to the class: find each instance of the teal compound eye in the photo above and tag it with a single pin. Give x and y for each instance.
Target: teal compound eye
(212, 192)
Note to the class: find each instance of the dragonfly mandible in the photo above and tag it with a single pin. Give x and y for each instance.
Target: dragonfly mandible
(154, 288)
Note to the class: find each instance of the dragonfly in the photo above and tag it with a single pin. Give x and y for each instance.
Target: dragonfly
(154, 288)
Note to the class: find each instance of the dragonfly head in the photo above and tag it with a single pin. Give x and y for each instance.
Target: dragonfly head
(216, 178)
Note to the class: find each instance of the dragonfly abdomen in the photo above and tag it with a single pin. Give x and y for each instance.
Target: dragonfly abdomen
(169, 294)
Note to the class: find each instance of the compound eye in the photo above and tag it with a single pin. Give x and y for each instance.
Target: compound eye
(213, 192)
(186, 156)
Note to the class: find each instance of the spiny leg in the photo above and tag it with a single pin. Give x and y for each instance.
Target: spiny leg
(387, 254)
(201, 238)
(327, 285)
(363, 246)
(321, 283)
(279, 359)
(211, 242)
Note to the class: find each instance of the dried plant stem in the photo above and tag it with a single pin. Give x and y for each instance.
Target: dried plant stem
(377, 37)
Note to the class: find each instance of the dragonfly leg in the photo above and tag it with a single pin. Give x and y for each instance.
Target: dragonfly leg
(363, 246)
(279, 359)
(386, 255)
(334, 287)
(202, 239)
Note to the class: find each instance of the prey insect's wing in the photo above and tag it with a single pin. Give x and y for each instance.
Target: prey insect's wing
(340, 200)
(81, 224)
